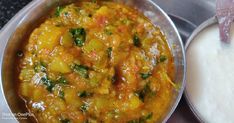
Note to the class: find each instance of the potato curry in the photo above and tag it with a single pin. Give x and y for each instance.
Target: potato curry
(92, 62)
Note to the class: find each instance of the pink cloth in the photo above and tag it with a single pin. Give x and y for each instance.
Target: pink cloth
(225, 15)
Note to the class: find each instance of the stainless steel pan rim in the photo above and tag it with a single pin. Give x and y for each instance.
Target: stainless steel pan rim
(21, 16)
(199, 29)
(5, 36)
(183, 50)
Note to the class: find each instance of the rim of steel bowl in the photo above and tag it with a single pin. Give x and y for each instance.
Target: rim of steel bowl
(12, 33)
(197, 31)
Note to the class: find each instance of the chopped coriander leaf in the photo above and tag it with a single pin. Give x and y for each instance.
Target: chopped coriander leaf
(66, 13)
(62, 80)
(126, 21)
(148, 116)
(162, 58)
(48, 83)
(145, 75)
(136, 40)
(58, 11)
(142, 119)
(84, 107)
(109, 52)
(84, 94)
(61, 94)
(144, 92)
(81, 70)
(65, 121)
(108, 32)
(79, 36)
(40, 67)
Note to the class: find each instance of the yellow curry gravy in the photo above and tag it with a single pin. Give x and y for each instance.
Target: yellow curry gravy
(96, 62)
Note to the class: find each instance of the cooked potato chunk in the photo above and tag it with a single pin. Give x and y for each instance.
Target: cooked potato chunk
(49, 36)
(66, 40)
(58, 65)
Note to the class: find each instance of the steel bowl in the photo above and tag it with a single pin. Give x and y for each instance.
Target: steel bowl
(22, 24)
(210, 22)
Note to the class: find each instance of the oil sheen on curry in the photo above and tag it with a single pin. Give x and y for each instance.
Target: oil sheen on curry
(96, 63)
